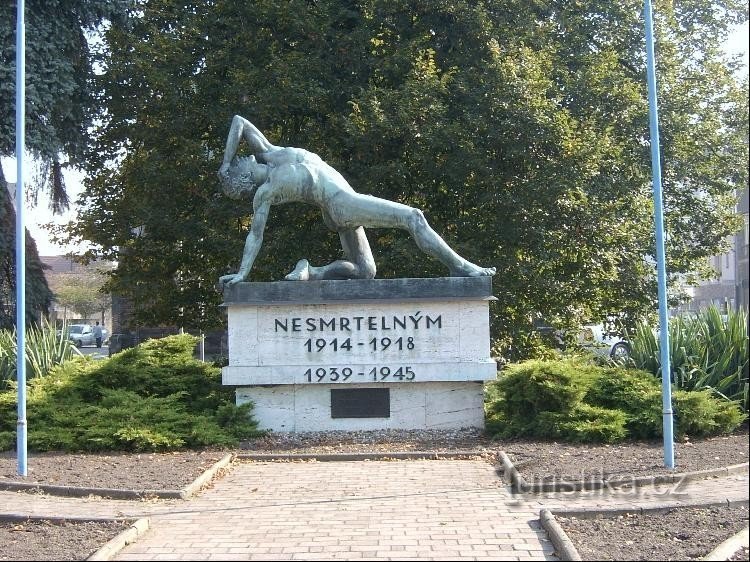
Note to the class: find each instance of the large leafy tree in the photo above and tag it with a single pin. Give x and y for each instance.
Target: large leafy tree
(59, 111)
(59, 67)
(81, 293)
(38, 294)
(520, 129)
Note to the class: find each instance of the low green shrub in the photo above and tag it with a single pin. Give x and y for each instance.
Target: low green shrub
(533, 388)
(584, 424)
(537, 386)
(7, 440)
(153, 397)
(700, 413)
(635, 393)
(579, 401)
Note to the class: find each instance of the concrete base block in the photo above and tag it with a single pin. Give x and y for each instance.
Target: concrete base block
(428, 405)
(309, 354)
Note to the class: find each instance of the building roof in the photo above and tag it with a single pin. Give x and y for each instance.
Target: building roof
(65, 264)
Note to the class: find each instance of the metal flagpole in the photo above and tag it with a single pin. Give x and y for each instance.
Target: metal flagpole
(666, 371)
(21, 236)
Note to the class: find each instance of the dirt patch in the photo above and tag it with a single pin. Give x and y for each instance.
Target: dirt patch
(544, 462)
(122, 471)
(42, 540)
(536, 460)
(677, 534)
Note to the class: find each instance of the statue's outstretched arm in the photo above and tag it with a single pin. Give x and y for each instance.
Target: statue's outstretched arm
(252, 246)
(240, 128)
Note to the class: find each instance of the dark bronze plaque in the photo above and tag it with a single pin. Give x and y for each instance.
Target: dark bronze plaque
(360, 403)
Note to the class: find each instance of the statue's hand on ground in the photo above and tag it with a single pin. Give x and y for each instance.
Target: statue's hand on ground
(224, 170)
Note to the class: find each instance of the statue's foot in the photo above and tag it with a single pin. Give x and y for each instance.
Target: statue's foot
(301, 272)
(471, 270)
(229, 280)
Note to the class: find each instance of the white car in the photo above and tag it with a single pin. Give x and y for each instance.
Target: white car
(83, 334)
(593, 338)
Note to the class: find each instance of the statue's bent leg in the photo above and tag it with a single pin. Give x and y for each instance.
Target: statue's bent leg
(359, 264)
(357, 250)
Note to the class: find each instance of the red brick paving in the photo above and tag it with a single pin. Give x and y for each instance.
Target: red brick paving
(359, 510)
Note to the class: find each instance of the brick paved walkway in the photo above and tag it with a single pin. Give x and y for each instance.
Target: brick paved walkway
(350, 510)
(426, 509)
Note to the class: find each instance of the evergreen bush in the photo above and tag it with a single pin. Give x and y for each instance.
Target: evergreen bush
(636, 393)
(584, 424)
(700, 413)
(153, 397)
(532, 388)
(535, 386)
(578, 401)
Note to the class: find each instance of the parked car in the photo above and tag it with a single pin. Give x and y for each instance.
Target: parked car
(594, 338)
(83, 334)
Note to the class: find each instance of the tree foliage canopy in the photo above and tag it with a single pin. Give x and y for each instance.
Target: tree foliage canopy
(81, 293)
(520, 129)
(60, 103)
(60, 106)
(38, 294)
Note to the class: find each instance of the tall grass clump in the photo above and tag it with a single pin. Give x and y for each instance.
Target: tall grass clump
(46, 347)
(153, 397)
(706, 352)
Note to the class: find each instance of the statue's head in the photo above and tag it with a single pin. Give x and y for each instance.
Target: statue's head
(243, 177)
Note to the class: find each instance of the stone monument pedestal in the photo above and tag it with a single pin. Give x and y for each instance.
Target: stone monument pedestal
(361, 354)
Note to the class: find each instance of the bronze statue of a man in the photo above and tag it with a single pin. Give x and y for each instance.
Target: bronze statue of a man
(276, 174)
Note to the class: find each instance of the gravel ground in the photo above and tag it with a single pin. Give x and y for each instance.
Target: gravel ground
(42, 540)
(679, 534)
(149, 471)
(536, 460)
(545, 462)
